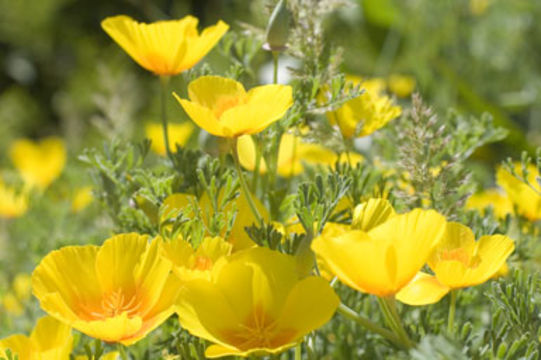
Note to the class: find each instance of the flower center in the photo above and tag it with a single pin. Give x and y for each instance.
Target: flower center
(202, 263)
(225, 103)
(461, 255)
(114, 304)
(259, 330)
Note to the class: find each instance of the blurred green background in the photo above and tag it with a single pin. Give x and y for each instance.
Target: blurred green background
(61, 74)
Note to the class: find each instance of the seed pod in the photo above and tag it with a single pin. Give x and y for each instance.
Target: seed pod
(278, 28)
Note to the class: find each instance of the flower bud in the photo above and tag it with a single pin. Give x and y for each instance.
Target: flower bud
(278, 28)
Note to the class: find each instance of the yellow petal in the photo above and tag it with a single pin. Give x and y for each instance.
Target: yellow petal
(414, 236)
(458, 243)
(204, 311)
(39, 163)
(113, 329)
(526, 199)
(269, 274)
(216, 93)
(116, 261)
(372, 213)
(492, 252)
(19, 345)
(178, 135)
(52, 339)
(424, 289)
(215, 351)
(63, 278)
(494, 198)
(451, 273)
(151, 274)
(356, 261)
(163, 47)
(302, 312)
(265, 105)
(12, 203)
(247, 154)
(203, 117)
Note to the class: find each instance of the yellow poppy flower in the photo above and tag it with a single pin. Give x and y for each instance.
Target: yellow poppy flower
(494, 198)
(50, 340)
(39, 163)
(164, 47)
(244, 218)
(81, 199)
(118, 292)
(366, 113)
(178, 134)
(190, 263)
(401, 85)
(479, 7)
(255, 304)
(458, 261)
(384, 257)
(223, 108)
(526, 199)
(12, 203)
(291, 156)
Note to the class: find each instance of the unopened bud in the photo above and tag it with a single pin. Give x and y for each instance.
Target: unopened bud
(278, 28)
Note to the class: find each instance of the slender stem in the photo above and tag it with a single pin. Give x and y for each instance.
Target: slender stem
(244, 185)
(451, 318)
(122, 350)
(164, 82)
(275, 55)
(388, 307)
(255, 176)
(368, 324)
(298, 351)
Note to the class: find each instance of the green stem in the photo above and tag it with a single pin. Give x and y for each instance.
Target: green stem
(255, 175)
(388, 308)
(122, 350)
(164, 82)
(369, 325)
(275, 66)
(298, 352)
(451, 318)
(244, 185)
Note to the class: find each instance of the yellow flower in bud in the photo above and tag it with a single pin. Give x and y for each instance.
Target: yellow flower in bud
(366, 113)
(244, 218)
(118, 292)
(178, 134)
(401, 85)
(255, 304)
(164, 47)
(291, 156)
(81, 199)
(50, 340)
(39, 163)
(494, 198)
(458, 261)
(12, 203)
(190, 263)
(526, 199)
(222, 107)
(387, 254)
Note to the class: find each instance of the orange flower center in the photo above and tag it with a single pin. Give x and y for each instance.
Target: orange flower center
(259, 330)
(114, 304)
(202, 263)
(225, 103)
(461, 255)
(157, 64)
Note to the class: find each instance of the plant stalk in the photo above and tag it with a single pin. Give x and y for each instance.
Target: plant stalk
(452, 308)
(244, 185)
(164, 82)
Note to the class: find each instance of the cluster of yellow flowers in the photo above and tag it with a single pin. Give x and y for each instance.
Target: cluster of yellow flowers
(517, 197)
(244, 299)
